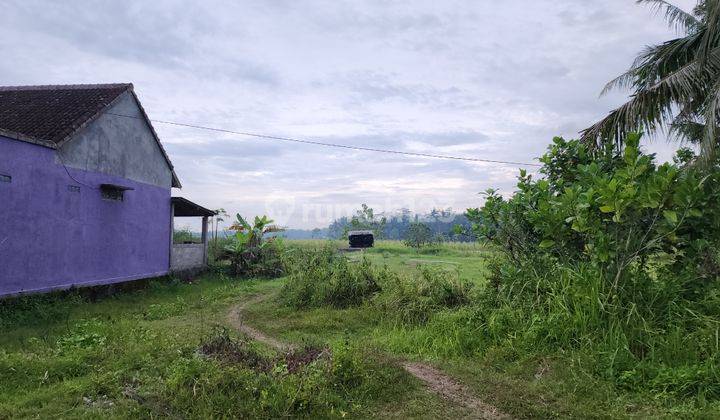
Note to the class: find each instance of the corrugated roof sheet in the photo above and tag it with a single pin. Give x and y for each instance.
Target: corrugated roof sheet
(186, 208)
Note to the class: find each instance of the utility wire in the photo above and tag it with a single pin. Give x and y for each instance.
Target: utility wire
(318, 143)
(67, 171)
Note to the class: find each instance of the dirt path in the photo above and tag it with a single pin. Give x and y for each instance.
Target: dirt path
(445, 386)
(435, 380)
(235, 318)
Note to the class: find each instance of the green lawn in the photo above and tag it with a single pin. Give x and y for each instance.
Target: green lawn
(128, 355)
(136, 354)
(467, 259)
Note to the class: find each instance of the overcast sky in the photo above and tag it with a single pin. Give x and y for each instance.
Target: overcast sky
(483, 79)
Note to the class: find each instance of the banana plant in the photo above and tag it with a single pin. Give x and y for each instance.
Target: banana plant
(249, 242)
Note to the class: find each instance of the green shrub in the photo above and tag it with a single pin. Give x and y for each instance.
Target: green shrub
(324, 278)
(420, 235)
(415, 299)
(37, 309)
(251, 252)
(185, 236)
(615, 210)
(613, 256)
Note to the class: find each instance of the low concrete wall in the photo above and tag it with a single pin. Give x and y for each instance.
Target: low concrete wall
(186, 256)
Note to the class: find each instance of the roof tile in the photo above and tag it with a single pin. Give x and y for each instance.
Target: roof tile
(51, 113)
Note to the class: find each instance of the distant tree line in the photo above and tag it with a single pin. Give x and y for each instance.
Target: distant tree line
(441, 223)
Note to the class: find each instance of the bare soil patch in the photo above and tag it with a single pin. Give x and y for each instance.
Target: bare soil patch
(445, 386)
(235, 318)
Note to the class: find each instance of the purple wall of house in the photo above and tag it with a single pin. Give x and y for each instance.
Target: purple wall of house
(51, 237)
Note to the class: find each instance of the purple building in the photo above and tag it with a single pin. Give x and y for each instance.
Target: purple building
(85, 191)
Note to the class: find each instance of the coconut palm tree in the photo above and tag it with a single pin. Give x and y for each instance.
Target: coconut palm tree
(676, 85)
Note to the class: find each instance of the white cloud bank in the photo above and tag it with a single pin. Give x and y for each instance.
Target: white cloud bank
(491, 80)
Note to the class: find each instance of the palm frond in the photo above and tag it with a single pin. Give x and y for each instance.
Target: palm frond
(676, 17)
(709, 142)
(687, 125)
(652, 107)
(639, 114)
(623, 81)
(654, 62)
(691, 131)
(711, 35)
(682, 74)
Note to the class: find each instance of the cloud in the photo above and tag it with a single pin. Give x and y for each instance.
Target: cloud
(493, 81)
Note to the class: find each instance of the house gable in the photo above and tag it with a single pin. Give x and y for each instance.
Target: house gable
(55, 115)
(120, 141)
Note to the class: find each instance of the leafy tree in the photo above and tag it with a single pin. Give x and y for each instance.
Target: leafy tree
(419, 235)
(617, 211)
(338, 228)
(184, 235)
(675, 84)
(441, 222)
(610, 255)
(365, 219)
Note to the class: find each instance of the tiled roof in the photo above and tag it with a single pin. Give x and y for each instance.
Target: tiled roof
(50, 114)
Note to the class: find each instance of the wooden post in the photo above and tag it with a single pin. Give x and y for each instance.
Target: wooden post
(205, 239)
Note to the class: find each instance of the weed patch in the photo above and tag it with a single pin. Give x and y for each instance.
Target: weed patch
(413, 300)
(228, 350)
(164, 310)
(236, 380)
(324, 278)
(222, 347)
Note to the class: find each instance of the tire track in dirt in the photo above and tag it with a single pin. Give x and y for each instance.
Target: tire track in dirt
(435, 380)
(235, 318)
(447, 387)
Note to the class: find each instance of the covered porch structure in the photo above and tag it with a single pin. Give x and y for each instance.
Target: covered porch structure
(190, 255)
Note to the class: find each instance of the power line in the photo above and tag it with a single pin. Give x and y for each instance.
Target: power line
(318, 143)
(67, 171)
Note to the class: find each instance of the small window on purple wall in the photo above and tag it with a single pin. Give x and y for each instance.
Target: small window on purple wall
(5, 178)
(112, 194)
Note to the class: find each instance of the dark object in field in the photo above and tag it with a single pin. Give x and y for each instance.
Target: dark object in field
(361, 239)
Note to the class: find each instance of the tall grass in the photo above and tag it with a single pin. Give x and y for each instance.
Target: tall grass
(653, 333)
(449, 248)
(325, 278)
(413, 300)
(650, 338)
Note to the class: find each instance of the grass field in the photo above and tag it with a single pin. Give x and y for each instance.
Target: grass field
(465, 258)
(137, 354)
